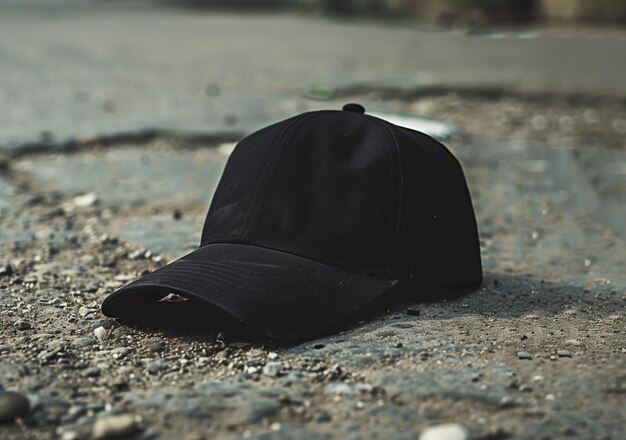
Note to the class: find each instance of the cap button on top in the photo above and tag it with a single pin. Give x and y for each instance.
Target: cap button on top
(353, 107)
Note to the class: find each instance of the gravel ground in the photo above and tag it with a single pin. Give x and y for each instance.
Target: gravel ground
(537, 352)
(558, 120)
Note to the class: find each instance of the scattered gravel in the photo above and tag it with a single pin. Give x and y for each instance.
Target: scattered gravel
(388, 376)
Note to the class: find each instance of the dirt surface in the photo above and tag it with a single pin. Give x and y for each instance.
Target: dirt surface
(537, 352)
(558, 120)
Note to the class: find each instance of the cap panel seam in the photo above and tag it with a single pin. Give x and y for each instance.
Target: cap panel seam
(280, 136)
(301, 118)
(392, 228)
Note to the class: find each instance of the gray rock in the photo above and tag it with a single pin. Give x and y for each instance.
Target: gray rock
(116, 426)
(156, 367)
(259, 409)
(156, 347)
(454, 384)
(322, 417)
(120, 352)
(348, 389)
(564, 353)
(288, 432)
(450, 431)
(524, 355)
(6, 270)
(84, 311)
(12, 405)
(91, 372)
(47, 355)
(272, 369)
(83, 342)
(43, 402)
(137, 254)
(22, 325)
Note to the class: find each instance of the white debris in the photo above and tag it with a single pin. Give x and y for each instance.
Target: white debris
(86, 200)
(449, 431)
(100, 333)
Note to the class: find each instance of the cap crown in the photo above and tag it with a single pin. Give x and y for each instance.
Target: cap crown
(350, 190)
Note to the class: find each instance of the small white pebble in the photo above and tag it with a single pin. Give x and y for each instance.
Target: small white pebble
(86, 200)
(100, 333)
(550, 397)
(449, 431)
(276, 426)
(537, 378)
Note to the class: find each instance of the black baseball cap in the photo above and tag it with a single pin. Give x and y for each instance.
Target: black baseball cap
(316, 217)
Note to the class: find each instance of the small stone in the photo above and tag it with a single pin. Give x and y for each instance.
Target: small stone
(83, 342)
(449, 431)
(120, 352)
(91, 372)
(272, 369)
(524, 355)
(47, 355)
(6, 270)
(525, 388)
(348, 389)
(86, 200)
(318, 346)
(156, 367)
(271, 355)
(100, 333)
(322, 417)
(22, 325)
(573, 342)
(137, 254)
(156, 347)
(84, 311)
(12, 406)
(413, 311)
(116, 426)
(564, 353)
(70, 435)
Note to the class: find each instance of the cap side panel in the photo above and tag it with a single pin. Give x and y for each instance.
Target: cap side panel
(238, 188)
(442, 238)
(331, 193)
(299, 119)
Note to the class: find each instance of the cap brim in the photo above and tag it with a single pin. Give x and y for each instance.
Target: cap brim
(277, 294)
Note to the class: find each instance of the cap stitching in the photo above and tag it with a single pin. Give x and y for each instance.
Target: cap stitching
(393, 184)
(271, 165)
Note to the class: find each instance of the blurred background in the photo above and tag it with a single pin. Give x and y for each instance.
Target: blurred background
(131, 108)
